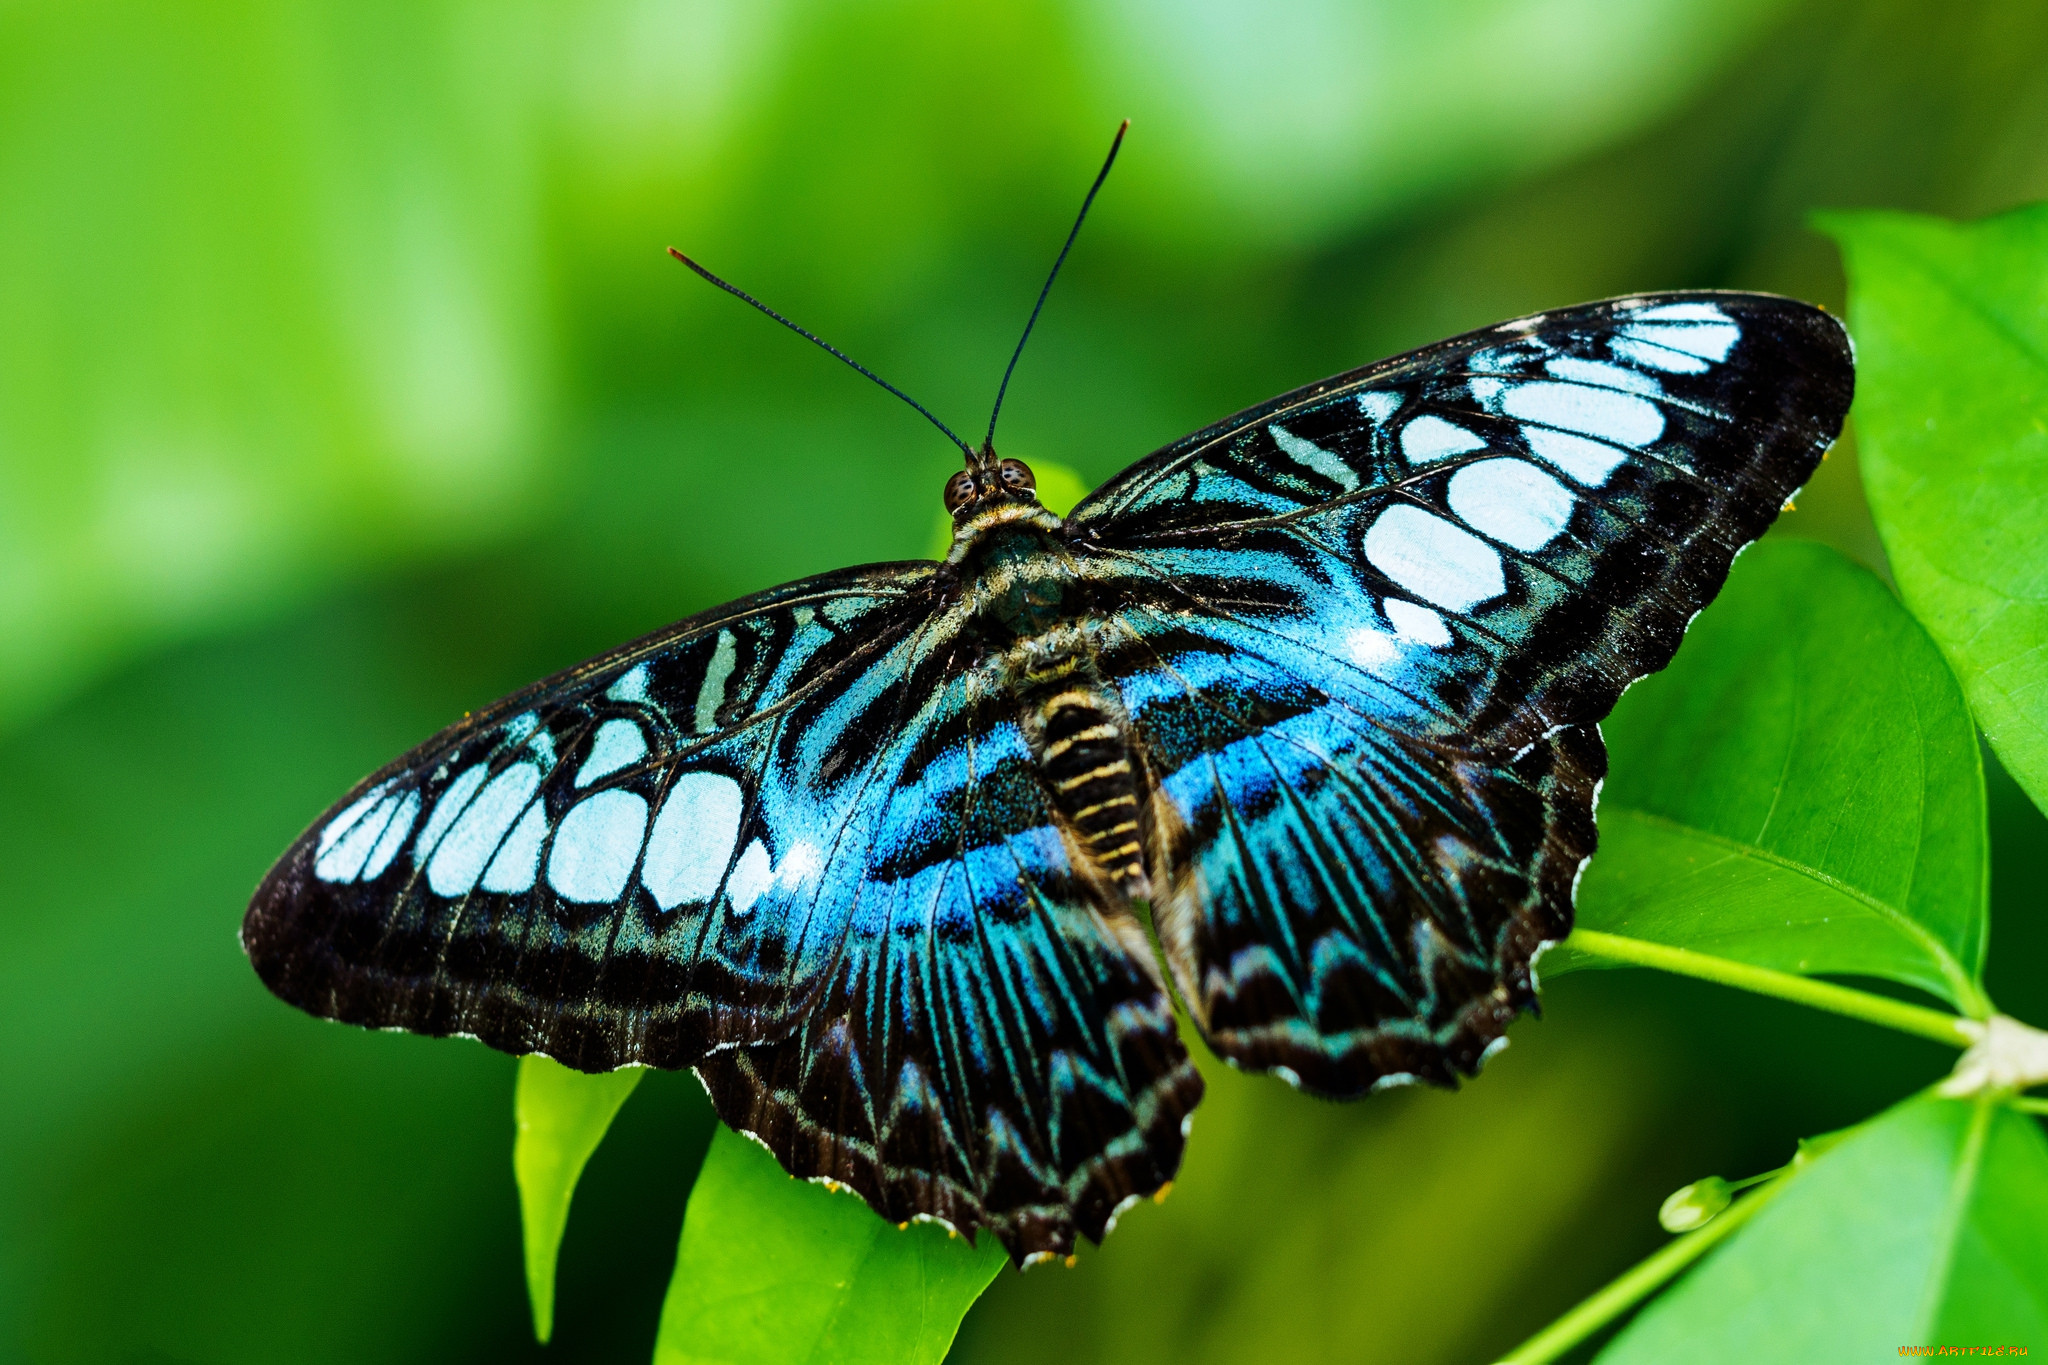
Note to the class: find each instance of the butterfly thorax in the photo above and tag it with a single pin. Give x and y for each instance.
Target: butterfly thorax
(1019, 576)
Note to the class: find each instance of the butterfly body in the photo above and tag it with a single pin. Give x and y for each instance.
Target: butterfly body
(1320, 684)
(1029, 604)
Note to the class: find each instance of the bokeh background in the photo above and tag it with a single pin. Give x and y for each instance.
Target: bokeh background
(344, 385)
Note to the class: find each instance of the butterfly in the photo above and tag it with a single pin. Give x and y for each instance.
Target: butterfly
(1296, 719)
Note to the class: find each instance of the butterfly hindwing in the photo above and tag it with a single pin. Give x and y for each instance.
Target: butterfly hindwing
(1345, 904)
(1060, 1090)
(1369, 628)
(791, 843)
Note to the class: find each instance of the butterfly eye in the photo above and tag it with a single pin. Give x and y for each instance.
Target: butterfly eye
(1017, 476)
(959, 491)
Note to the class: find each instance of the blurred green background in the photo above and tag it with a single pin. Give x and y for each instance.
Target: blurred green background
(344, 385)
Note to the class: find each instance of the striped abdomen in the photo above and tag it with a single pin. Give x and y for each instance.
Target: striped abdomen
(1080, 738)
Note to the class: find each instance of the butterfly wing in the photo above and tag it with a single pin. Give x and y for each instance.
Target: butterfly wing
(788, 843)
(1367, 631)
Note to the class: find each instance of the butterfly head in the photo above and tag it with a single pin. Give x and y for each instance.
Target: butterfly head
(990, 482)
(991, 500)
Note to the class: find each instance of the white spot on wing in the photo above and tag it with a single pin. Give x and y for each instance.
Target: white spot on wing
(346, 820)
(692, 839)
(1701, 330)
(1313, 456)
(475, 836)
(1601, 373)
(1418, 623)
(1656, 357)
(631, 686)
(1434, 559)
(618, 743)
(596, 846)
(1610, 415)
(751, 876)
(341, 859)
(1432, 438)
(518, 861)
(1511, 500)
(1379, 406)
(446, 809)
(393, 838)
(711, 694)
(1590, 462)
(1696, 311)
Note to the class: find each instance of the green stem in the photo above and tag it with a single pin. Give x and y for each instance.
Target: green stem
(2029, 1104)
(1942, 1027)
(1635, 1285)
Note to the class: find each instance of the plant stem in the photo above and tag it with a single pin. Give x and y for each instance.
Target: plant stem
(1635, 1285)
(2029, 1104)
(1942, 1027)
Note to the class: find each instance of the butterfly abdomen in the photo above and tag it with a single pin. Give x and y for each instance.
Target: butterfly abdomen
(1080, 736)
(1088, 764)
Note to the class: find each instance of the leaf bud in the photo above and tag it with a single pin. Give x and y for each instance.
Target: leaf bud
(1695, 1205)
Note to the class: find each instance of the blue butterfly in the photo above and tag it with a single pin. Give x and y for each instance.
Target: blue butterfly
(1320, 685)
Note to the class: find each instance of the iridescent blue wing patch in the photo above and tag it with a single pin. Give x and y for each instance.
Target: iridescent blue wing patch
(796, 844)
(1366, 632)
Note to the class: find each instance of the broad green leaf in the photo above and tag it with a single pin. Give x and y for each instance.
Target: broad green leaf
(776, 1271)
(1927, 1226)
(1951, 328)
(1800, 790)
(1996, 1288)
(562, 1115)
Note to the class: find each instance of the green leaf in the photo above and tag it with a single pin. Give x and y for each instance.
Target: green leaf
(781, 1271)
(562, 1115)
(1951, 328)
(1926, 1226)
(1801, 790)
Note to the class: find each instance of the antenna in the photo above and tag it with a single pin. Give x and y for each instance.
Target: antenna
(989, 441)
(745, 297)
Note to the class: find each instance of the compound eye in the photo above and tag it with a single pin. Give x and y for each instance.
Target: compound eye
(959, 490)
(1017, 476)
